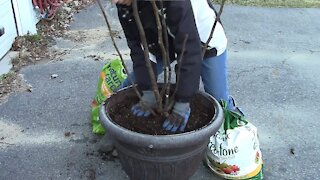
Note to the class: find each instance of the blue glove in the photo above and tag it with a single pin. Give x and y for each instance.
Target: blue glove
(233, 107)
(149, 100)
(179, 117)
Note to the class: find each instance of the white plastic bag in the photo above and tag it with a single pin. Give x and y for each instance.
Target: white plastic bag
(234, 152)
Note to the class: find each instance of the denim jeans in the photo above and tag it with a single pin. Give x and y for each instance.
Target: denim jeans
(213, 75)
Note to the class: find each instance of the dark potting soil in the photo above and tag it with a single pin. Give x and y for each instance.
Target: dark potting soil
(121, 115)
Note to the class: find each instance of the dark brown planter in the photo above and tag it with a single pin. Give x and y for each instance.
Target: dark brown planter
(160, 157)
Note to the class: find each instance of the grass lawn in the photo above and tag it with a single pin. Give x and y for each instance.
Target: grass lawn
(276, 3)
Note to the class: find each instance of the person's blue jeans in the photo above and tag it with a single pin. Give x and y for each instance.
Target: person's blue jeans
(215, 78)
(213, 75)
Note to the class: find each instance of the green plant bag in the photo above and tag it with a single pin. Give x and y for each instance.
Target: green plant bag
(111, 77)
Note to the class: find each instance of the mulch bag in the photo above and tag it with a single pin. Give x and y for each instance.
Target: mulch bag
(234, 152)
(111, 77)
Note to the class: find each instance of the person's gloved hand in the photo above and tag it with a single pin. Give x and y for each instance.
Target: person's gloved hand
(149, 100)
(179, 117)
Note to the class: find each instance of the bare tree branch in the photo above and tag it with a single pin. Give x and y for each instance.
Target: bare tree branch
(160, 34)
(179, 63)
(167, 59)
(164, 49)
(213, 28)
(146, 54)
(120, 55)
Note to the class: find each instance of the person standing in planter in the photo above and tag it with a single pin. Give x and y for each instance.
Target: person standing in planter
(192, 17)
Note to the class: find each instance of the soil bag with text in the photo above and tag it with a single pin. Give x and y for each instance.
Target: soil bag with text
(111, 77)
(234, 152)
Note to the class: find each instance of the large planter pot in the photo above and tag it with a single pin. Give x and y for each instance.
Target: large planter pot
(160, 157)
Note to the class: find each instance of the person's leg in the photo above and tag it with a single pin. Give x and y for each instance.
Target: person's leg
(214, 78)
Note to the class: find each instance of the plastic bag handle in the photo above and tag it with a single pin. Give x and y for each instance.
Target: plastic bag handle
(232, 119)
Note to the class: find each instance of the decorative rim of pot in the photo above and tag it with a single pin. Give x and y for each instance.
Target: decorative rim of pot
(164, 141)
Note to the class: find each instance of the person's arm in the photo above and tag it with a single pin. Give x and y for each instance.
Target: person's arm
(180, 20)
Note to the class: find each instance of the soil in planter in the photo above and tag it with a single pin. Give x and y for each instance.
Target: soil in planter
(121, 115)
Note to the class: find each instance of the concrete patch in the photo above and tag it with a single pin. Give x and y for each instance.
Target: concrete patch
(5, 62)
(14, 135)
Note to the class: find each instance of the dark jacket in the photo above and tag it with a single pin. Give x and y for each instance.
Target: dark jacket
(180, 21)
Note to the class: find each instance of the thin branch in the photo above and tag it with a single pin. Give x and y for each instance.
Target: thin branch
(146, 54)
(179, 63)
(213, 28)
(164, 50)
(167, 59)
(120, 55)
(160, 30)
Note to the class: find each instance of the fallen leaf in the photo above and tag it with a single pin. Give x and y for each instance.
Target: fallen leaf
(67, 134)
(292, 151)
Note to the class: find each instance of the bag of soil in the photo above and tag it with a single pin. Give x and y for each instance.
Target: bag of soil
(111, 77)
(234, 152)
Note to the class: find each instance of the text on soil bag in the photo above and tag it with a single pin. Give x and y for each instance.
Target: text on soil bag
(220, 151)
(113, 79)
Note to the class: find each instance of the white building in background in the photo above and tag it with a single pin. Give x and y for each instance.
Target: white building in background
(17, 18)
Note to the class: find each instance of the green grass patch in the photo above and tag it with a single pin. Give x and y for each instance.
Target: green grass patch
(8, 77)
(33, 38)
(275, 3)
